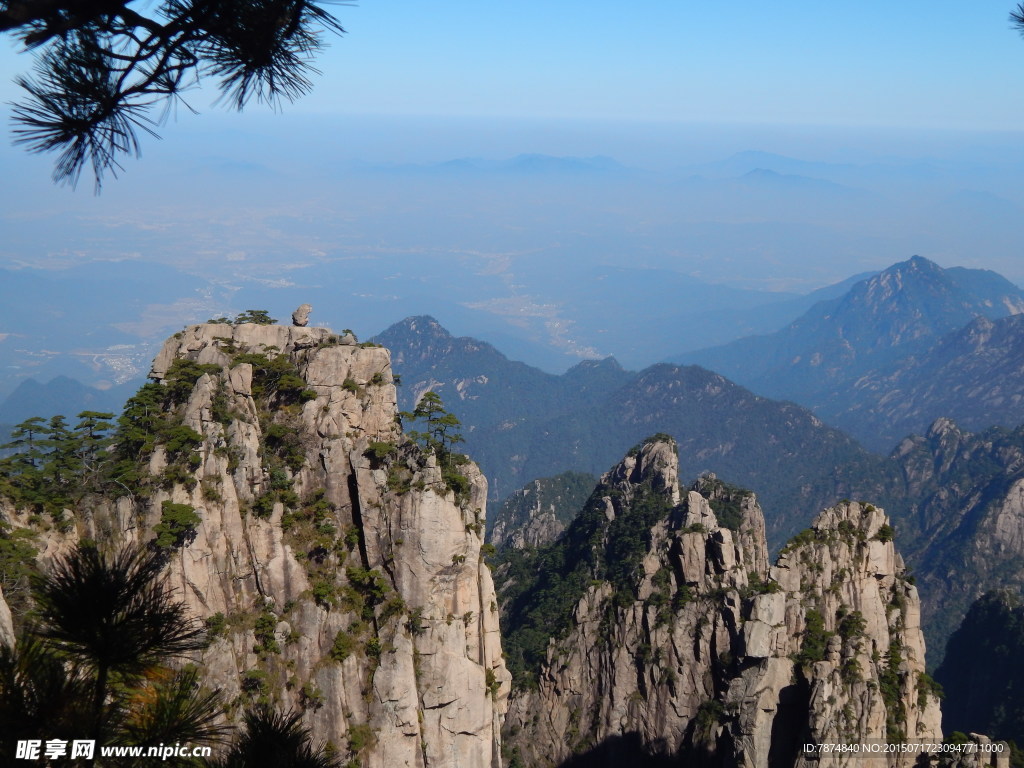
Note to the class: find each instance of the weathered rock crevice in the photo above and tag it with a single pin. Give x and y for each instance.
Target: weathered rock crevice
(719, 659)
(337, 566)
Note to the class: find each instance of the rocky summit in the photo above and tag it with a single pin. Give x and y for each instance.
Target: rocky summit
(698, 650)
(339, 572)
(339, 566)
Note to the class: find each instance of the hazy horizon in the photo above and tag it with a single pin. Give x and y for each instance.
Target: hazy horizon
(556, 180)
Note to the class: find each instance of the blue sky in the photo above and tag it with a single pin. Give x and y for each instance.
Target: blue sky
(906, 64)
(931, 91)
(891, 129)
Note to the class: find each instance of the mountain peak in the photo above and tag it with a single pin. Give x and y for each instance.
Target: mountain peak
(918, 262)
(654, 461)
(914, 268)
(424, 325)
(901, 311)
(603, 363)
(936, 299)
(941, 427)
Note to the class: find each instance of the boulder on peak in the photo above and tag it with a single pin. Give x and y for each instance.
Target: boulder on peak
(300, 316)
(216, 342)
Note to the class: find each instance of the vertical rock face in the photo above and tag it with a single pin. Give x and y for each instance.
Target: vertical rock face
(337, 563)
(6, 623)
(706, 653)
(842, 657)
(965, 532)
(537, 513)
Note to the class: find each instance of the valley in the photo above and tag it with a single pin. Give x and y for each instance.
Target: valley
(592, 577)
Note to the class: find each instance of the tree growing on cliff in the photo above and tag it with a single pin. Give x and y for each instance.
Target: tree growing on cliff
(441, 427)
(49, 465)
(440, 436)
(257, 316)
(106, 70)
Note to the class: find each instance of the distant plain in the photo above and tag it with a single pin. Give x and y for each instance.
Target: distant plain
(554, 240)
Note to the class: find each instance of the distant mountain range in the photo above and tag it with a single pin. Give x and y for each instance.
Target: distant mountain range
(521, 423)
(975, 374)
(901, 348)
(953, 495)
(61, 395)
(526, 163)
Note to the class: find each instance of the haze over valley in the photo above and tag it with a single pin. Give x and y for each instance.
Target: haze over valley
(688, 244)
(655, 394)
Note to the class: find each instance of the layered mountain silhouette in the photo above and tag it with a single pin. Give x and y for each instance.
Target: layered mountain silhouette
(901, 348)
(950, 492)
(521, 423)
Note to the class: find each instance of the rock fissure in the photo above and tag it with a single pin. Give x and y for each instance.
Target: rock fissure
(280, 418)
(716, 651)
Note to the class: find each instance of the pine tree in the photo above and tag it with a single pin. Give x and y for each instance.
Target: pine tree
(103, 67)
(94, 662)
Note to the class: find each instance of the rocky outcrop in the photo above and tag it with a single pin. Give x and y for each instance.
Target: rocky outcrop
(964, 531)
(537, 513)
(643, 654)
(978, 751)
(300, 316)
(706, 653)
(337, 564)
(842, 656)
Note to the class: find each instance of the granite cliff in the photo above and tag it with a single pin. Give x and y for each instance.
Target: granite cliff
(336, 563)
(688, 644)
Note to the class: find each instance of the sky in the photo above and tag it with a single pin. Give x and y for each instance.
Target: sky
(874, 131)
(945, 64)
(910, 63)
